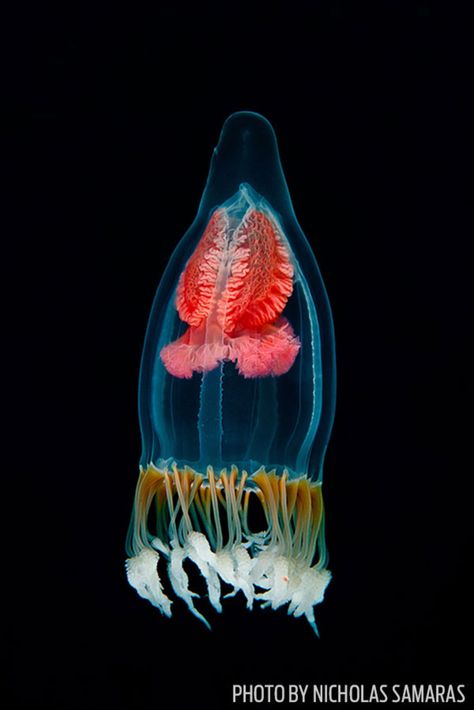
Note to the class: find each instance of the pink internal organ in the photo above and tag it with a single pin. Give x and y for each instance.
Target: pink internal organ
(232, 293)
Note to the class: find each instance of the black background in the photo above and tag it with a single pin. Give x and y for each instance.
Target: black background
(113, 117)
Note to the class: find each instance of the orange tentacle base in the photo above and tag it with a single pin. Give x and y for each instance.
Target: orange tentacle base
(205, 517)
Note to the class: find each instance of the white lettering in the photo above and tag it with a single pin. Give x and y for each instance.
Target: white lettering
(354, 694)
(292, 693)
(318, 693)
(430, 694)
(279, 693)
(345, 693)
(303, 691)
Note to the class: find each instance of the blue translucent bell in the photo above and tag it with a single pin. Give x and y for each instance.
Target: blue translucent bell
(237, 394)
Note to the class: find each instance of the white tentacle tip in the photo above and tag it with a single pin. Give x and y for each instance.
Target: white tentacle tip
(142, 574)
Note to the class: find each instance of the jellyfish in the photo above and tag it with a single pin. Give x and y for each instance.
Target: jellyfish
(236, 398)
